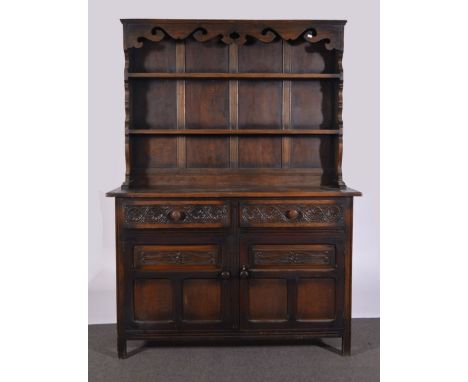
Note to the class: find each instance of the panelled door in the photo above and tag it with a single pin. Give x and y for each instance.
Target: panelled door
(179, 281)
(291, 280)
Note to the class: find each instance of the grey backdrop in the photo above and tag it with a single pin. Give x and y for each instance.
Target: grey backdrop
(106, 126)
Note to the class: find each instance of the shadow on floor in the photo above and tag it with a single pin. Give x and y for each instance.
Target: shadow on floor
(318, 360)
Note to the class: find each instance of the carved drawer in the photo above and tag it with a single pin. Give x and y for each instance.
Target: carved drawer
(295, 213)
(175, 257)
(292, 256)
(177, 214)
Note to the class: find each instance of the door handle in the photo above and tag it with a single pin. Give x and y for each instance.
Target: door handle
(244, 273)
(225, 275)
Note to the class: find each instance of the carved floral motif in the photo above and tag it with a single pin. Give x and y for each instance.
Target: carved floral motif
(160, 214)
(164, 257)
(278, 257)
(307, 213)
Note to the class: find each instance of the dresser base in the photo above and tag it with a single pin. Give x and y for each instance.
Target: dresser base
(239, 338)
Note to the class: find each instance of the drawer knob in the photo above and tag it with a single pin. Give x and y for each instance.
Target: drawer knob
(225, 275)
(292, 214)
(244, 273)
(175, 215)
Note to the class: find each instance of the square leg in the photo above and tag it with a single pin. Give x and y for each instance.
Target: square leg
(122, 348)
(346, 344)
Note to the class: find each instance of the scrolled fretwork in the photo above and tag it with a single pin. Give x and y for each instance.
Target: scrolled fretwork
(234, 32)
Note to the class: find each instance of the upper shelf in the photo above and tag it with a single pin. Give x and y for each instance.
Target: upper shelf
(237, 76)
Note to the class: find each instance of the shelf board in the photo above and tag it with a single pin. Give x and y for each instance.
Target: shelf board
(239, 76)
(234, 132)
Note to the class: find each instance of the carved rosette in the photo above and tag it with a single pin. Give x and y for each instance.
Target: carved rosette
(267, 214)
(160, 214)
(234, 32)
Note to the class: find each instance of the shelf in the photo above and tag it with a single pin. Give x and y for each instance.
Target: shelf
(234, 132)
(238, 76)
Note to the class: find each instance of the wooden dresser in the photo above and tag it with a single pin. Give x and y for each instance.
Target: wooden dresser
(233, 223)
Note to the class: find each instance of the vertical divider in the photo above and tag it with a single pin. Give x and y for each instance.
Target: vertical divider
(128, 112)
(286, 105)
(339, 122)
(233, 106)
(181, 140)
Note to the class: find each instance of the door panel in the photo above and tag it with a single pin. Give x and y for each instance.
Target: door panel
(268, 300)
(201, 300)
(316, 299)
(291, 280)
(152, 300)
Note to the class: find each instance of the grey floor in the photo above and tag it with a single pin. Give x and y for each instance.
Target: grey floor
(317, 362)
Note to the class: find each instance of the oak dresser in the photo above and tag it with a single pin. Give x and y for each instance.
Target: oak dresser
(233, 223)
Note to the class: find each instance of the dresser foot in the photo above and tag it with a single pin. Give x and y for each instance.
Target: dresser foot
(122, 348)
(346, 345)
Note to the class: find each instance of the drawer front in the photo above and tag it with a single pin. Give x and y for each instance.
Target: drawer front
(296, 213)
(292, 256)
(180, 214)
(177, 257)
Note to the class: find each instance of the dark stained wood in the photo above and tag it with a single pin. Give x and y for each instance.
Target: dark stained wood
(154, 104)
(176, 214)
(201, 300)
(233, 192)
(259, 152)
(295, 213)
(181, 110)
(256, 56)
(306, 100)
(245, 76)
(166, 257)
(203, 152)
(260, 104)
(152, 300)
(210, 56)
(312, 59)
(292, 256)
(268, 300)
(151, 152)
(305, 152)
(315, 299)
(234, 132)
(154, 57)
(233, 222)
(201, 96)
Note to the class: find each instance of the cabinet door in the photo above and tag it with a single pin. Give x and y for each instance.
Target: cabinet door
(179, 281)
(291, 280)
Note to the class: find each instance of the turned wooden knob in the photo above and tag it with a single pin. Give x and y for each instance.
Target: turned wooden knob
(244, 273)
(292, 214)
(175, 215)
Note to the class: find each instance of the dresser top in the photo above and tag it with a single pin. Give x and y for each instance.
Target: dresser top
(233, 192)
(216, 21)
